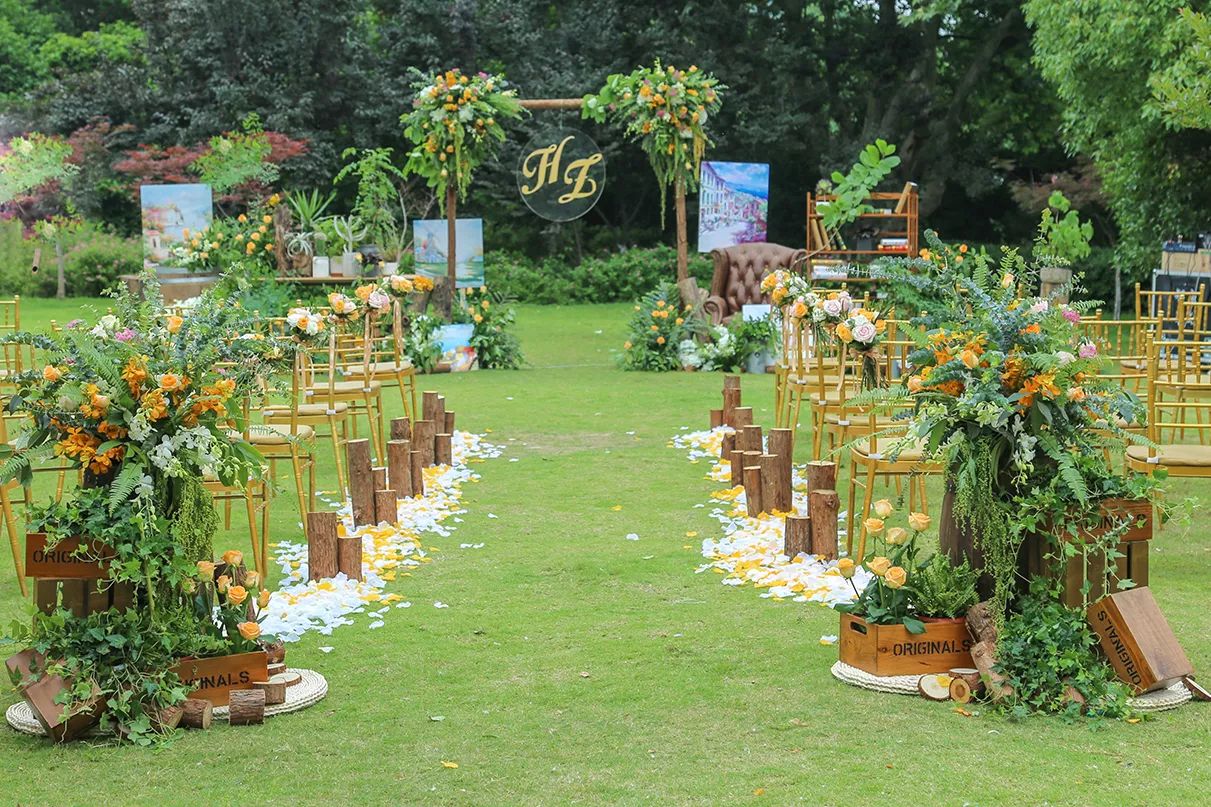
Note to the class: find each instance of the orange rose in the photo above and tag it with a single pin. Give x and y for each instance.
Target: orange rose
(873, 526)
(844, 333)
(252, 579)
(249, 630)
(170, 382)
(51, 373)
(206, 569)
(895, 577)
(174, 323)
(879, 565)
(846, 567)
(896, 536)
(223, 583)
(919, 521)
(233, 557)
(884, 508)
(236, 594)
(263, 598)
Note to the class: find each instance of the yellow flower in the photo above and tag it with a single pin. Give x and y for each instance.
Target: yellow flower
(846, 567)
(879, 565)
(241, 218)
(883, 508)
(919, 521)
(174, 323)
(896, 536)
(895, 577)
(249, 630)
(206, 569)
(262, 599)
(233, 557)
(970, 359)
(266, 218)
(1007, 281)
(223, 583)
(873, 526)
(626, 345)
(660, 340)
(236, 595)
(484, 305)
(252, 579)
(844, 333)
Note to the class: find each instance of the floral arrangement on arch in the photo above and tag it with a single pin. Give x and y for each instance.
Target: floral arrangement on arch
(666, 110)
(455, 126)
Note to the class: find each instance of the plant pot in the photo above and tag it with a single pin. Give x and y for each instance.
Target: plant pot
(958, 542)
(321, 266)
(59, 723)
(177, 284)
(886, 650)
(391, 267)
(1052, 278)
(213, 679)
(61, 563)
(757, 362)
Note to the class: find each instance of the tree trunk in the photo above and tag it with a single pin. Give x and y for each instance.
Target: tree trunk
(451, 260)
(683, 257)
(959, 542)
(60, 262)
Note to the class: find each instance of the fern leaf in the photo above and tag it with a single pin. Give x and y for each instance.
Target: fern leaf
(122, 488)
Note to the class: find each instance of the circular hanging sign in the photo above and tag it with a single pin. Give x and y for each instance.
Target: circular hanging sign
(561, 174)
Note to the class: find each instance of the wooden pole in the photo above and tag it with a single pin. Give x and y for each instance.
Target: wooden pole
(823, 505)
(449, 425)
(821, 475)
(439, 415)
(731, 382)
(797, 536)
(752, 487)
(443, 450)
(742, 416)
(428, 403)
(551, 103)
(399, 467)
(728, 445)
(379, 474)
(683, 256)
(782, 444)
(422, 440)
(716, 418)
(451, 241)
(361, 480)
(731, 401)
(401, 429)
(769, 483)
(349, 553)
(750, 439)
(418, 473)
(321, 545)
(736, 460)
(386, 506)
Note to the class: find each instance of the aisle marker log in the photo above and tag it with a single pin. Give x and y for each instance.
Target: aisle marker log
(751, 439)
(449, 424)
(422, 440)
(731, 402)
(743, 416)
(361, 480)
(716, 418)
(428, 404)
(418, 474)
(399, 467)
(821, 475)
(782, 444)
(401, 429)
(386, 506)
(736, 460)
(728, 445)
(797, 536)
(197, 713)
(752, 488)
(769, 482)
(824, 505)
(439, 416)
(321, 545)
(246, 708)
(349, 554)
(443, 449)
(379, 474)
(275, 691)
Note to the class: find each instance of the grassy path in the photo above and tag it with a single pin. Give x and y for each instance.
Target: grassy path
(576, 666)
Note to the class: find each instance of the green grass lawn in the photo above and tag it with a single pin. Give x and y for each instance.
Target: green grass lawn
(575, 666)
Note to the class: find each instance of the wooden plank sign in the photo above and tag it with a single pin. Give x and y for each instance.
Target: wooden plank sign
(213, 679)
(892, 650)
(1137, 639)
(62, 562)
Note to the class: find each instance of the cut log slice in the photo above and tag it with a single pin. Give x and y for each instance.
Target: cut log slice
(196, 713)
(960, 691)
(276, 669)
(290, 678)
(275, 691)
(935, 687)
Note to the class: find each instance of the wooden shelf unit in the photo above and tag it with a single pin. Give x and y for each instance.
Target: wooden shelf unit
(898, 210)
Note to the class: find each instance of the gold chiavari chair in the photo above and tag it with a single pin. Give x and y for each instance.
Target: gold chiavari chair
(1165, 306)
(14, 358)
(326, 382)
(386, 361)
(1167, 413)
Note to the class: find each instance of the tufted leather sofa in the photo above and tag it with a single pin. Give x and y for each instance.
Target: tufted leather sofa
(738, 274)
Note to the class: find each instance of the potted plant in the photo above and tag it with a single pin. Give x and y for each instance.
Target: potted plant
(942, 590)
(350, 230)
(882, 631)
(1063, 239)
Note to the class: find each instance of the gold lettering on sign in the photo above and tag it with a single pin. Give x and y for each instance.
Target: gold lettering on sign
(581, 168)
(547, 170)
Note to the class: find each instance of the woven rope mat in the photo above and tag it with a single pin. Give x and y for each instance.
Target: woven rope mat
(308, 692)
(1162, 699)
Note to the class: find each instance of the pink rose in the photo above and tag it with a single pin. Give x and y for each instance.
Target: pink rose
(1071, 315)
(1087, 350)
(864, 332)
(832, 308)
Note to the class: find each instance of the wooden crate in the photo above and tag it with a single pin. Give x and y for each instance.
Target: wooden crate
(1137, 639)
(58, 723)
(892, 650)
(213, 679)
(82, 597)
(61, 562)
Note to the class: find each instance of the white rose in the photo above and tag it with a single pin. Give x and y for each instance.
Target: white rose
(1065, 357)
(864, 332)
(832, 308)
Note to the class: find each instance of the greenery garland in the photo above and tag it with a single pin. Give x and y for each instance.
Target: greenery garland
(195, 522)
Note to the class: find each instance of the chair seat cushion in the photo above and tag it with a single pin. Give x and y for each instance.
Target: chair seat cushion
(345, 388)
(389, 367)
(278, 434)
(1177, 455)
(306, 410)
(910, 453)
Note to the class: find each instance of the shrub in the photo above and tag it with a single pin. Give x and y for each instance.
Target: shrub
(94, 265)
(611, 278)
(657, 330)
(16, 255)
(495, 343)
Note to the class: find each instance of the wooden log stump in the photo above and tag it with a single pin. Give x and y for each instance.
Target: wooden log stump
(742, 416)
(428, 405)
(166, 718)
(448, 426)
(275, 691)
(981, 625)
(443, 449)
(782, 443)
(821, 475)
(824, 505)
(984, 655)
(361, 480)
(731, 402)
(728, 445)
(797, 536)
(196, 713)
(246, 708)
(736, 460)
(439, 414)
(731, 382)
(386, 506)
(751, 439)
(716, 418)
(401, 429)
(769, 483)
(399, 467)
(418, 473)
(422, 440)
(349, 555)
(752, 488)
(379, 474)
(321, 545)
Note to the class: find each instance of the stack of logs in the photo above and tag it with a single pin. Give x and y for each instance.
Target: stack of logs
(761, 464)
(246, 707)
(376, 490)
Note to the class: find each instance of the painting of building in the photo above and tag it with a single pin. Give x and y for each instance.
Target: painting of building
(169, 211)
(429, 244)
(733, 204)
